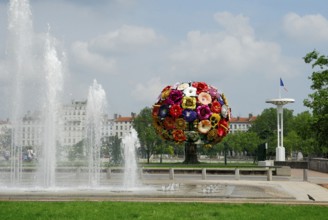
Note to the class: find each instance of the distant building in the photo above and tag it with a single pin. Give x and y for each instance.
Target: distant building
(71, 129)
(122, 125)
(74, 116)
(241, 124)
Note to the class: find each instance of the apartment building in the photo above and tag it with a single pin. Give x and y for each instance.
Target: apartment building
(241, 124)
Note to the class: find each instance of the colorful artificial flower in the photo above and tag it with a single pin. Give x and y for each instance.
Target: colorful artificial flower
(189, 115)
(155, 110)
(193, 112)
(165, 92)
(213, 92)
(175, 97)
(212, 134)
(214, 119)
(224, 99)
(204, 98)
(165, 135)
(179, 136)
(220, 100)
(225, 111)
(188, 102)
(190, 91)
(157, 125)
(216, 107)
(169, 123)
(163, 111)
(200, 86)
(203, 112)
(180, 124)
(192, 136)
(223, 128)
(175, 111)
(182, 86)
(204, 126)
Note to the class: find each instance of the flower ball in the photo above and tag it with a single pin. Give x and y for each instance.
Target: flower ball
(191, 112)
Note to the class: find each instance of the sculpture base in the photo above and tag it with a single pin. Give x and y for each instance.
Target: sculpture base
(280, 154)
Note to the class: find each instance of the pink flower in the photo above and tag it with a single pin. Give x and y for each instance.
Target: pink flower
(204, 98)
(175, 97)
(203, 112)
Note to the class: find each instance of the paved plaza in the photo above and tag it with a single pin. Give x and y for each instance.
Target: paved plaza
(191, 188)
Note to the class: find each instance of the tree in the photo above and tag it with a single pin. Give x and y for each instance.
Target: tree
(265, 125)
(146, 132)
(115, 150)
(318, 100)
(302, 125)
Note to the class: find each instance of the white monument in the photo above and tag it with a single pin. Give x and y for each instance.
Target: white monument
(280, 102)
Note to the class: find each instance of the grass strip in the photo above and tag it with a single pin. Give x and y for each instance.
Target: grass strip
(151, 210)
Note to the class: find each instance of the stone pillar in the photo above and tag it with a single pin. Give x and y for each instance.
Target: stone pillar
(305, 174)
(269, 174)
(109, 173)
(204, 173)
(237, 176)
(171, 175)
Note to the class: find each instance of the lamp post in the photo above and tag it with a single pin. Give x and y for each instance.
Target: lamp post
(280, 102)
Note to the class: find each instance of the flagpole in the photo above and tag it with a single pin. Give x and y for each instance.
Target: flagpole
(279, 89)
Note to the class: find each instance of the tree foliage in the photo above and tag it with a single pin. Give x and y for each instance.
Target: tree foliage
(318, 100)
(113, 147)
(146, 132)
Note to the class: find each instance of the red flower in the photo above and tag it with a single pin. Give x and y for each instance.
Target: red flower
(216, 107)
(179, 136)
(166, 88)
(223, 128)
(155, 110)
(175, 111)
(169, 123)
(200, 86)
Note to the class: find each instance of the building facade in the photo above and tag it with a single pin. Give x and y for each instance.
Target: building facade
(71, 126)
(241, 124)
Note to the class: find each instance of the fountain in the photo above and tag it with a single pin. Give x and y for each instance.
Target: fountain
(130, 143)
(96, 108)
(20, 30)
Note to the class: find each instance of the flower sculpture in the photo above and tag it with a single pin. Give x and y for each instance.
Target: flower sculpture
(193, 112)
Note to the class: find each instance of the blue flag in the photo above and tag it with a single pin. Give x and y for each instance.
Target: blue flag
(282, 85)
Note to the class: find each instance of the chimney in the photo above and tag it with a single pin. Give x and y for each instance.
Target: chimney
(115, 116)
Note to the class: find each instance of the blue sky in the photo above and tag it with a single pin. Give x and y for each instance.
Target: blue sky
(135, 48)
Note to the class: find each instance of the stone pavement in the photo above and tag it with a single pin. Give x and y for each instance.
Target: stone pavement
(248, 189)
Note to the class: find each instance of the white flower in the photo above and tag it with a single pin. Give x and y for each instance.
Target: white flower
(190, 91)
(225, 111)
(183, 86)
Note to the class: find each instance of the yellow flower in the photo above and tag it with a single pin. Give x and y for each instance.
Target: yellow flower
(211, 135)
(215, 118)
(189, 102)
(165, 93)
(180, 124)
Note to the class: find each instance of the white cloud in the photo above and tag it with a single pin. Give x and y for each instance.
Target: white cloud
(92, 61)
(126, 38)
(308, 28)
(104, 52)
(147, 92)
(234, 25)
(233, 51)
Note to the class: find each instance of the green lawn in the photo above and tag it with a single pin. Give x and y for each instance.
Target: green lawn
(163, 211)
